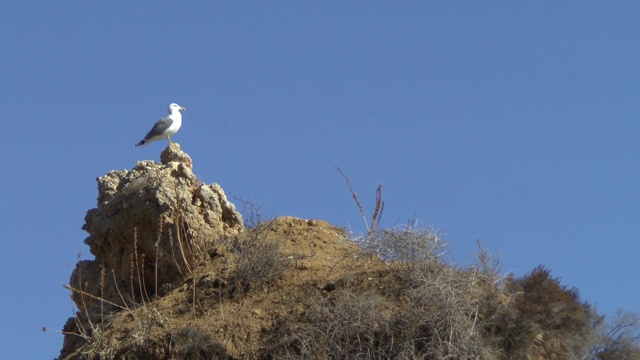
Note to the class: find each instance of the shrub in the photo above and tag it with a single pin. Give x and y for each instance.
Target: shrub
(618, 339)
(546, 319)
(259, 260)
(193, 343)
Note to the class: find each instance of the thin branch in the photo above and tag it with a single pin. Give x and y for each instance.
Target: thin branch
(355, 197)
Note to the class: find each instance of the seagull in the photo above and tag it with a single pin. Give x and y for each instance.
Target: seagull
(166, 126)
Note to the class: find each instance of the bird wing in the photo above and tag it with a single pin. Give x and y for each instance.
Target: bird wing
(159, 127)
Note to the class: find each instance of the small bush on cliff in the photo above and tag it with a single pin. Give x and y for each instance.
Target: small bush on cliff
(546, 318)
(259, 260)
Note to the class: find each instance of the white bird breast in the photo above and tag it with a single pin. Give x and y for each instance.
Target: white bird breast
(175, 126)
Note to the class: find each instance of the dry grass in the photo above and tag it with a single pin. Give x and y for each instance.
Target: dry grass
(404, 303)
(416, 307)
(138, 301)
(258, 260)
(419, 307)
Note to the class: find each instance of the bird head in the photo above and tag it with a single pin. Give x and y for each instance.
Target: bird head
(175, 107)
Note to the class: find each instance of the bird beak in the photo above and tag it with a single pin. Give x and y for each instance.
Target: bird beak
(183, 109)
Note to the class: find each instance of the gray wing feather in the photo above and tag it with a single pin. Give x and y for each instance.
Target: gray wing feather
(159, 127)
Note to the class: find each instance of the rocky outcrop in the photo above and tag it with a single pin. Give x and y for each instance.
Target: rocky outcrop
(177, 276)
(152, 225)
(171, 253)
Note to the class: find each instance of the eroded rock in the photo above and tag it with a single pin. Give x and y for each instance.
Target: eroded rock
(152, 225)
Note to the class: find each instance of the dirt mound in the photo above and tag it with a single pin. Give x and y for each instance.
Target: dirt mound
(173, 260)
(178, 276)
(236, 296)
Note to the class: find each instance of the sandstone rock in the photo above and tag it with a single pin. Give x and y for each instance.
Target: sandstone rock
(173, 154)
(152, 225)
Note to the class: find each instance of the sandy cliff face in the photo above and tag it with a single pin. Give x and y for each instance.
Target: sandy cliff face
(152, 225)
(146, 213)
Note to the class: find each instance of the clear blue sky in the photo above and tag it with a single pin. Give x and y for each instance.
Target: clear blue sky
(516, 124)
